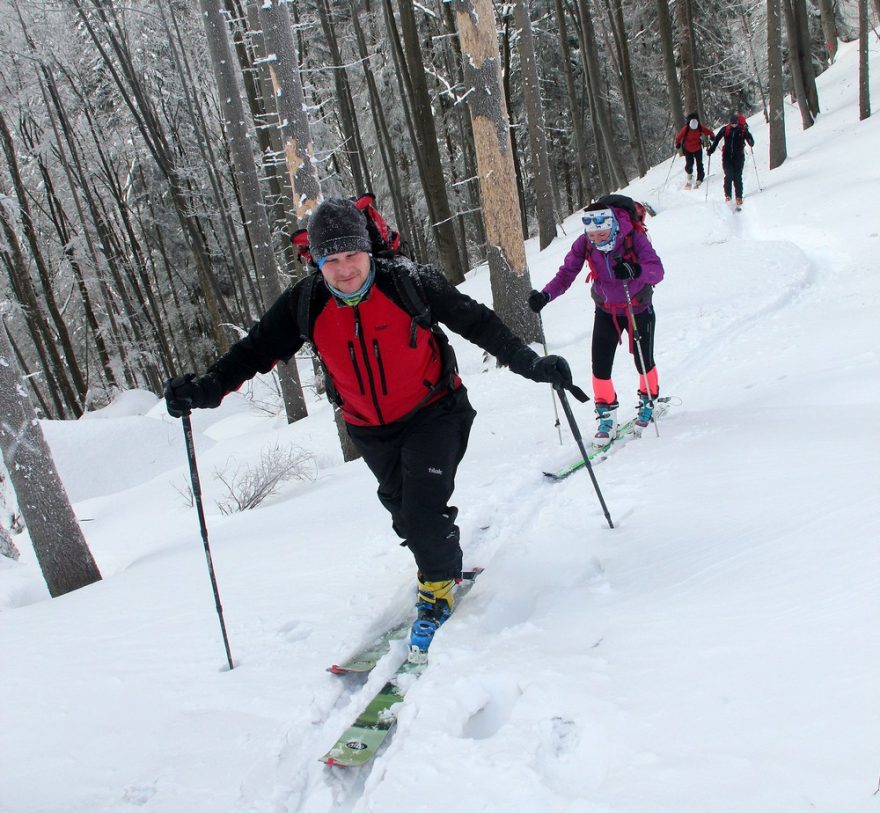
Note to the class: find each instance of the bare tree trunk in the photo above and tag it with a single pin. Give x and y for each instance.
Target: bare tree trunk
(537, 135)
(805, 55)
(380, 123)
(257, 222)
(433, 182)
(576, 114)
(686, 50)
(354, 147)
(665, 25)
(60, 221)
(829, 27)
(73, 395)
(58, 542)
(179, 57)
(31, 377)
(466, 135)
(631, 102)
(778, 150)
(506, 73)
(602, 120)
(794, 64)
(293, 123)
(509, 274)
(758, 80)
(864, 86)
(138, 101)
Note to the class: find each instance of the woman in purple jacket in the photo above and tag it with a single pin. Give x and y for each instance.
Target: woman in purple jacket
(621, 260)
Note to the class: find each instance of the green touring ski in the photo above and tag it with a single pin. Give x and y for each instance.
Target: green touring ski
(366, 660)
(362, 739)
(625, 432)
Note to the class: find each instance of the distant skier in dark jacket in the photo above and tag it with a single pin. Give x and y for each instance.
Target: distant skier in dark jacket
(394, 379)
(690, 140)
(733, 154)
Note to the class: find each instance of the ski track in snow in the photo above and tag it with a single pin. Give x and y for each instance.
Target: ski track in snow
(489, 699)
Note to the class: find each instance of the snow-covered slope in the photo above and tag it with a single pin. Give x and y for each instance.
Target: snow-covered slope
(716, 651)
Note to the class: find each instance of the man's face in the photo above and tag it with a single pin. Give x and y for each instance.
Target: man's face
(346, 271)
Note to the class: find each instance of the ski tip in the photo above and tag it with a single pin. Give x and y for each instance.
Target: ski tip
(338, 670)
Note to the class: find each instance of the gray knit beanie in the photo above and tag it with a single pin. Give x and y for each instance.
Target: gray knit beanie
(337, 225)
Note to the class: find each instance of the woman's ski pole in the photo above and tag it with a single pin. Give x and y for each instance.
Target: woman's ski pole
(669, 171)
(580, 442)
(637, 339)
(558, 425)
(708, 174)
(755, 164)
(197, 495)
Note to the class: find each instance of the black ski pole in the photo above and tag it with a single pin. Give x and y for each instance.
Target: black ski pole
(558, 425)
(637, 339)
(755, 164)
(580, 442)
(668, 173)
(197, 495)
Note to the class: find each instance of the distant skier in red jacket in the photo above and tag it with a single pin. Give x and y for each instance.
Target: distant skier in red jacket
(690, 139)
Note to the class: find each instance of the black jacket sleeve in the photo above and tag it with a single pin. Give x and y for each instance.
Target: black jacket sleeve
(474, 321)
(276, 337)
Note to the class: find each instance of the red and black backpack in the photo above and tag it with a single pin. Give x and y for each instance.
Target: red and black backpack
(637, 212)
(386, 242)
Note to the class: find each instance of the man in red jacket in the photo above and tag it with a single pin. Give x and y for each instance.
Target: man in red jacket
(690, 139)
(394, 378)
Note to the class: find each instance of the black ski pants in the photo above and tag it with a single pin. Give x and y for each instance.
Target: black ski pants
(733, 174)
(607, 331)
(415, 462)
(689, 159)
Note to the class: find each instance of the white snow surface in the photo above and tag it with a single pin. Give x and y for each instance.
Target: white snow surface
(716, 651)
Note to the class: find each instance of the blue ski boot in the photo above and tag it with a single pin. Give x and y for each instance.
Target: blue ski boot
(645, 410)
(607, 429)
(434, 607)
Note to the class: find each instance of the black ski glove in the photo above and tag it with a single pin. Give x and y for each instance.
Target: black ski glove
(710, 150)
(537, 300)
(627, 269)
(186, 392)
(552, 369)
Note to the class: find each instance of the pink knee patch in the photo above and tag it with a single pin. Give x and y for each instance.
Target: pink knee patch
(603, 391)
(653, 381)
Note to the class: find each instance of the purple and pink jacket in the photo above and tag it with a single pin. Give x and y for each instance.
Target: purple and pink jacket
(607, 291)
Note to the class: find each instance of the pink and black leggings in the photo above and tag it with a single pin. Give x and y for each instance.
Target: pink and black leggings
(607, 334)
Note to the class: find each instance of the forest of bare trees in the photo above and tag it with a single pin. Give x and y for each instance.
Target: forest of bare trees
(157, 154)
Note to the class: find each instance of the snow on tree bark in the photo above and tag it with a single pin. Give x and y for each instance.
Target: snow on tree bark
(509, 274)
(293, 122)
(537, 135)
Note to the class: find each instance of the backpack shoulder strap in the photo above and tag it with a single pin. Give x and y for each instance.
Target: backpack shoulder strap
(409, 289)
(629, 253)
(304, 307)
